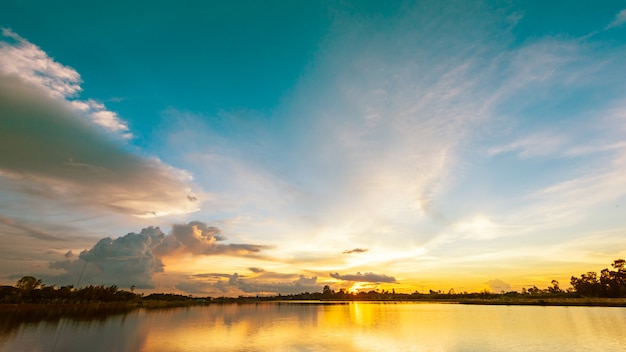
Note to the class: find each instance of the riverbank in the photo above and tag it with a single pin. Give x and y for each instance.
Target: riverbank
(571, 302)
(95, 308)
(574, 302)
(92, 306)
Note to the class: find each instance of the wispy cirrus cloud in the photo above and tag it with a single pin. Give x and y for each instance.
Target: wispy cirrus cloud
(619, 20)
(539, 144)
(595, 148)
(366, 127)
(376, 143)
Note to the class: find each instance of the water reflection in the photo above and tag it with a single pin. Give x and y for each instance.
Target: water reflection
(357, 326)
(85, 330)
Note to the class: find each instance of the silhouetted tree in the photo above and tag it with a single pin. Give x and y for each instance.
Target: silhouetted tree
(587, 284)
(612, 283)
(28, 283)
(326, 291)
(534, 290)
(555, 287)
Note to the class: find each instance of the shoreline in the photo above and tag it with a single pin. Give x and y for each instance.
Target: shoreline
(121, 307)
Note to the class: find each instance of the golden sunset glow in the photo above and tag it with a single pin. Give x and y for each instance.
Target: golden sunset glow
(394, 146)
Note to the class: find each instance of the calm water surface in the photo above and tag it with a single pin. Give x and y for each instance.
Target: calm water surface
(355, 326)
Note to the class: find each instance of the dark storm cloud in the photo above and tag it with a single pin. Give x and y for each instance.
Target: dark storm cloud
(367, 277)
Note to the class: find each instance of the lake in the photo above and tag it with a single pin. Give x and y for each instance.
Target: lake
(325, 326)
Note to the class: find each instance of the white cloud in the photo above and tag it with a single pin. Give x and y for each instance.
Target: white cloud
(619, 20)
(27, 61)
(584, 150)
(50, 154)
(535, 145)
(33, 65)
(477, 228)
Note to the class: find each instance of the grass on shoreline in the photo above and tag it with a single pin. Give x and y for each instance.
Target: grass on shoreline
(95, 307)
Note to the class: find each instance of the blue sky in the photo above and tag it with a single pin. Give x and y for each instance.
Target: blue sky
(282, 146)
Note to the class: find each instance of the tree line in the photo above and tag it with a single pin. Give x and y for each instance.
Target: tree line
(611, 283)
(28, 289)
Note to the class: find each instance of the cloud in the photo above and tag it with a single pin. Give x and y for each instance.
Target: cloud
(125, 261)
(22, 59)
(33, 65)
(306, 281)
(52, 155)
(27, 229)
(584, 150)
(540, 144)
(619, 20)
(367, 139)
(100, 116)
(570, 201)
(477, 227)
(367, 277)
(299, 285)
(497, 286)
(210, 276)
(356, 250)
(199, 287)
(200, 239)
(133, 259)
(238, 285)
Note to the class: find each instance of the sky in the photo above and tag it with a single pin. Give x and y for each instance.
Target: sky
(244, 147)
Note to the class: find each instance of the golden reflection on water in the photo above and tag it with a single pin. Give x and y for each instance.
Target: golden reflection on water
(320, 326)
(362, 326)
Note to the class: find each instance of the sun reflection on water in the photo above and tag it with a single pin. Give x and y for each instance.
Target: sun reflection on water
(334, 326)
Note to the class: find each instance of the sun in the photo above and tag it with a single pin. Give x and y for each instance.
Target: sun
(356, 287)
